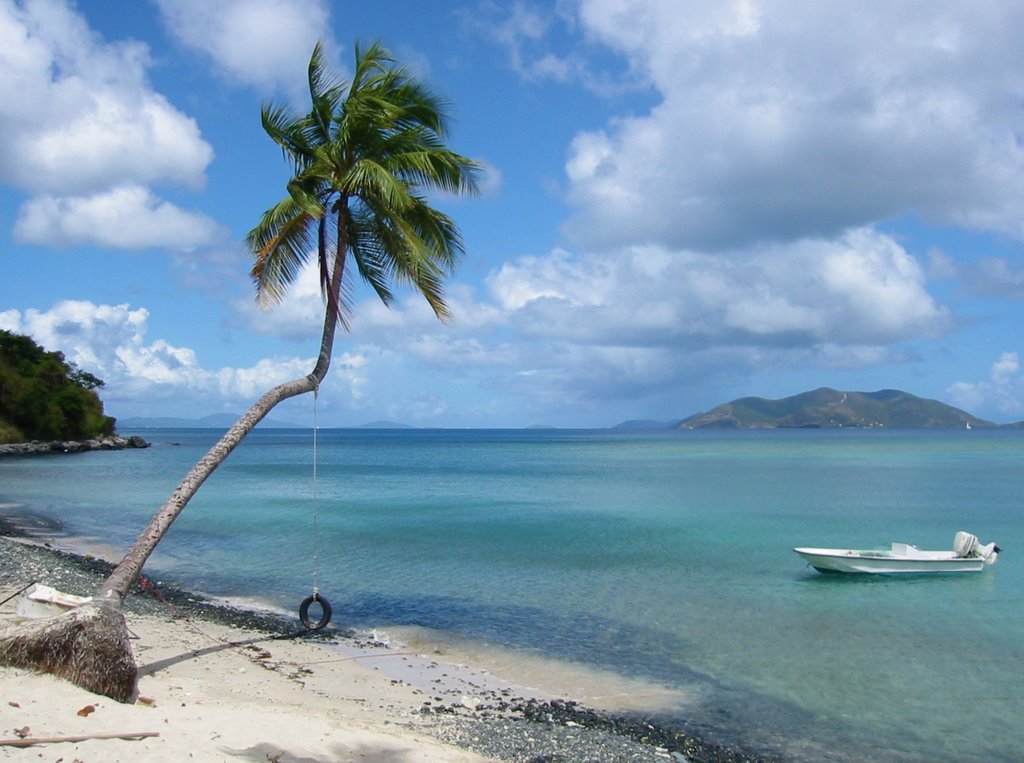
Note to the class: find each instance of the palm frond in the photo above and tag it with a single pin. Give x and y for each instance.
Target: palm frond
(419, 247)
(286, 129)
(366, 154)
(370, 63)
(424, 165)
(282, 243)
(367, 179)
(371, 254)
(325, 93)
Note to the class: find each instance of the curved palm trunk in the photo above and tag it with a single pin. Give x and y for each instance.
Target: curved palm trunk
(116, 587)
(89, 645)
(383, 152)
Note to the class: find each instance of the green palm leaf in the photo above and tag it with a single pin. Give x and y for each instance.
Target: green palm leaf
(365, 154)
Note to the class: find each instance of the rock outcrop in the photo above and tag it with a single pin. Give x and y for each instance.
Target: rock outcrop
(111, 442)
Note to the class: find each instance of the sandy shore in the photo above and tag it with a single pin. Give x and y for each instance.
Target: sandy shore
(212, 692)
(220, 683)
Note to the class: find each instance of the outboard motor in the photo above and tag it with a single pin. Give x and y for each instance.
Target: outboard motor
(967, 546)
(990, 552)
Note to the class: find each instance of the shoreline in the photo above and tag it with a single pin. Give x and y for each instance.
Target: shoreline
(48, 447)
(456, 705)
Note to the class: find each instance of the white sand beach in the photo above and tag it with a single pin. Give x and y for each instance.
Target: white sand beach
(210, 692)
(220, 683)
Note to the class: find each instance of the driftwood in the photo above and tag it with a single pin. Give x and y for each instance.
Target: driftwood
(32, 741)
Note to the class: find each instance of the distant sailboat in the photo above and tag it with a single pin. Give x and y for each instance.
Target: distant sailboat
(968, 425)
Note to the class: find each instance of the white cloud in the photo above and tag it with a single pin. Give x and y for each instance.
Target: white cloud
(996, 277)
(733, 228)
(10, 320)
(1002, 391)
(263, 43)
(528, 34)
(86, 134)
(110, 341)
(801, 119)
(89, 335)
(863, 289)
(520, 32)
(574, 329)
(252, 382)
(1006, 367)
(125, 217)
(79, 115)
(491, 181)
(300, 315)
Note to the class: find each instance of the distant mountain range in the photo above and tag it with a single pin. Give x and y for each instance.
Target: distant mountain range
(214, 421)
(822, 408)
(646, 424)
(226, 421)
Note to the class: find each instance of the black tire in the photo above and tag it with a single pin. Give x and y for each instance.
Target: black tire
(325, 609)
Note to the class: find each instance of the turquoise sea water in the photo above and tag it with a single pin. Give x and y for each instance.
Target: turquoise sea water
(659, 555)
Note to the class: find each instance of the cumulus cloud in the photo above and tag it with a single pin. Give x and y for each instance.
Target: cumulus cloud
(526, 32)
(300, 315)
(732, 228)
(996, 277)
(576, 329)
(522, 30)
(110, 341)
(86, 135)
(1003, 390)
(125, 217)
(262, 43)
(861, 289)
(79, 114)
(791, 120)
(10, 320)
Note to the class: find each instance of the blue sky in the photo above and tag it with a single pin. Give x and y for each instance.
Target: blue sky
(686, 202)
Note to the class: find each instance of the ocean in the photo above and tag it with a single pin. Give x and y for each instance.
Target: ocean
(664, 557)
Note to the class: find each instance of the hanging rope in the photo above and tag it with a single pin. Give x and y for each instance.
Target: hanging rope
(316, 512)
(325, 607)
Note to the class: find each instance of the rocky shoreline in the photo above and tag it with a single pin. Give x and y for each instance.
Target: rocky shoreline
(499, 724)
(38, 448)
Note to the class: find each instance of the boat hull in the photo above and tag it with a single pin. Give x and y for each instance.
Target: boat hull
(885, 563)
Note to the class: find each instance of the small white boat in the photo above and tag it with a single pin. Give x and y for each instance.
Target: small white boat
(967, 555)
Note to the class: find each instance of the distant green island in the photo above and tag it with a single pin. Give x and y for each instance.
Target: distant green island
(829, 408)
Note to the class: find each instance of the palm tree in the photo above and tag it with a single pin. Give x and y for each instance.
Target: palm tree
(364, 157)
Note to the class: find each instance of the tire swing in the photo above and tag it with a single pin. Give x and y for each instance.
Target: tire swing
(325, 609)
(315, 597)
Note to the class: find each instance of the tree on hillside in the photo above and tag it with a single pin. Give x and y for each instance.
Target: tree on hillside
(363, 157)
(44, 397)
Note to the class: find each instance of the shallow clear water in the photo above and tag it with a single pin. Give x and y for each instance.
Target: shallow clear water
(665, 556)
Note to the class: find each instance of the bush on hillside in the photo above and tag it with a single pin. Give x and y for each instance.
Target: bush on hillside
(44, 397)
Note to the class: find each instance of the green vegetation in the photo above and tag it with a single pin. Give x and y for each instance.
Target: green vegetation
(365, 158)
(44, 397)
